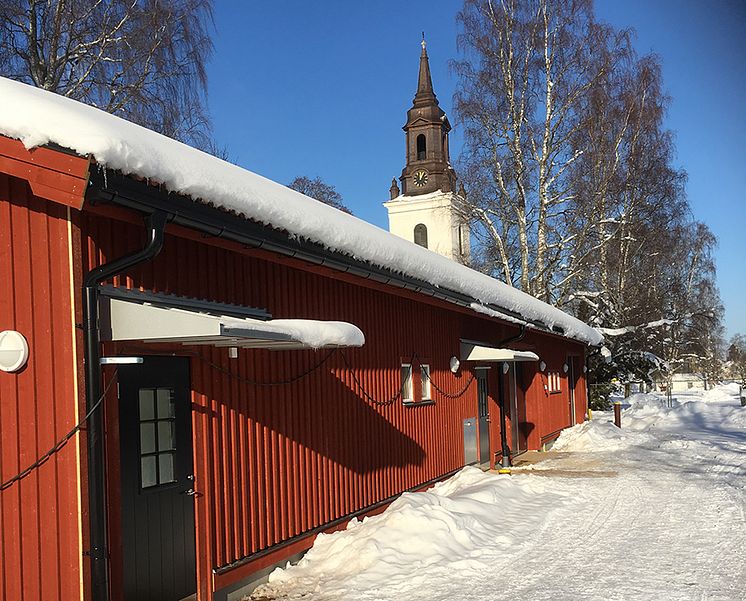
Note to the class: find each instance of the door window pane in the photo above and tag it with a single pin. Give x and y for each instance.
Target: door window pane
(482, 406)
(147, 438)
(165, 403)
(146, 404)
(166, 468)
(149, 475)
(165, 436)
(157, 436)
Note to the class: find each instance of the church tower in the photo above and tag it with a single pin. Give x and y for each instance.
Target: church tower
(428, 210)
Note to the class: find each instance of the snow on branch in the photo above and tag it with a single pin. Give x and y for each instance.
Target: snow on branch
(629, 329)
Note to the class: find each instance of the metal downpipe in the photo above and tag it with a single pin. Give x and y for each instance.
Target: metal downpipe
(99, 552)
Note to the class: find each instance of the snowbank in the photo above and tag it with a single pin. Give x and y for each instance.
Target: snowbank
(674, 481)
(645, 412)
(721, 393)
(591, 436)
(422, 534)
(38, 117)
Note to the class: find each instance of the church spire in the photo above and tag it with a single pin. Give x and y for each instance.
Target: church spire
(425, 93)
(428, 167)
(424, 207)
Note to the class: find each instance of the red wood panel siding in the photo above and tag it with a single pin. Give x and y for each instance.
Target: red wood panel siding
(52, 175)
(39, 516)
(546, 413)
(274, 462)
(554, 407)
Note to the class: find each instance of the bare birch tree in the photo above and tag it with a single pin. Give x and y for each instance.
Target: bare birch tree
(144, 60)
(571, 185)
(527, 71)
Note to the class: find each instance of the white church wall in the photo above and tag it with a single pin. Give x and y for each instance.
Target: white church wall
(437, 211)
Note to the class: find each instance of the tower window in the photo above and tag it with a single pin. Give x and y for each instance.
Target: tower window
(420, 234)
(421, 147)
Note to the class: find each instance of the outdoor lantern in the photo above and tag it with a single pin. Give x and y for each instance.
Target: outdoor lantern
(233, 352)
(542, 366)
(506, 367)
(455, 364)
(120, 360)
(13, 351)
(565, 367)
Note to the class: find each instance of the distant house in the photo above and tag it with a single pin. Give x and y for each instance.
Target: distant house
(250, 367)
(680, 382)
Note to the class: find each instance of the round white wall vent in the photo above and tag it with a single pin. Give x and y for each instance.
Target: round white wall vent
(13, 350)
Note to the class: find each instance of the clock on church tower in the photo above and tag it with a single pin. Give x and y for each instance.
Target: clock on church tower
(427, 210)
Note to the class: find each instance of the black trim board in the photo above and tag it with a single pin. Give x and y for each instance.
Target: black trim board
(184, 302)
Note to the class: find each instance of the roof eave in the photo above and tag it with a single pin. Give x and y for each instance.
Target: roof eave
(128, 192)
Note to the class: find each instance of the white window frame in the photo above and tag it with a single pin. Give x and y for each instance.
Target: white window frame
(425, 379)
(407, 383)
(554, 382)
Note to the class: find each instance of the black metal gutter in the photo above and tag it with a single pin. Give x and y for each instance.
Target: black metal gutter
(99, 552)
(114, 188)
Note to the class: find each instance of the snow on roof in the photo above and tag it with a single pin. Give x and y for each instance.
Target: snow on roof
(38, 117)
(404, 199)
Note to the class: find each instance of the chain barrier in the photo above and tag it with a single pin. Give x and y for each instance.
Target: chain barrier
(367, 396)
(60, 443)
(450, 395)
(251, 382)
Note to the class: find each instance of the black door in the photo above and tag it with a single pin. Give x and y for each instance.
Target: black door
(156, 468)
(572, 379)
(484, 416)
(517, 398)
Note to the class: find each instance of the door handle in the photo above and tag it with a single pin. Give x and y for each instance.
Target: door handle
(190, 492)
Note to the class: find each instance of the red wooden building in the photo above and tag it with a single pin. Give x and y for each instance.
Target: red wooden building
(203, 325)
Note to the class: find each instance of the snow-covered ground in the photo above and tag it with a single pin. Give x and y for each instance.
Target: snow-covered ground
(653, 511)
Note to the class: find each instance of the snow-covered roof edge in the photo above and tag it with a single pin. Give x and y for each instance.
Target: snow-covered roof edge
(38, 117)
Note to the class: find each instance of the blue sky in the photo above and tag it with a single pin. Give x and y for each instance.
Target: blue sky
(322, 88)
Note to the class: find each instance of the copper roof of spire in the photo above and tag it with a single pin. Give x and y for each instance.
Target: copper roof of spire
(425, 93)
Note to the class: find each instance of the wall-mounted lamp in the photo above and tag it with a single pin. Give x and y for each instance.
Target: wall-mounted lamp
(13, 351)
(455, 364)
(233, 352)
(506, 367)
(542, 366)
(120, 360)
(565, 367)
(585, 368)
